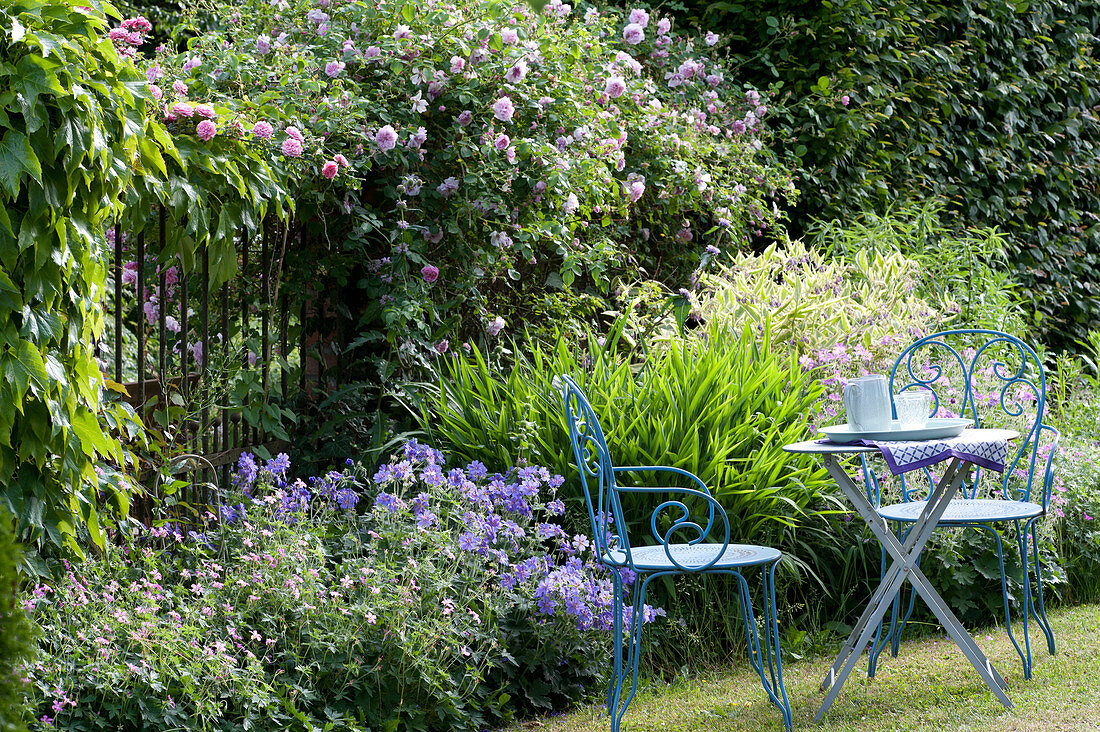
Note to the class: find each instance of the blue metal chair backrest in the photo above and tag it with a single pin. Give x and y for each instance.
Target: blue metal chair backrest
(997, 380)
(597, 474)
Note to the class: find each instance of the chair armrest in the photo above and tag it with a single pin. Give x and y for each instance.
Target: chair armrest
(664, 469)
(1048, 472)
(683, 522)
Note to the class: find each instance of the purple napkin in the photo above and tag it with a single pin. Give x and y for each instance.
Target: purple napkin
(986, 448)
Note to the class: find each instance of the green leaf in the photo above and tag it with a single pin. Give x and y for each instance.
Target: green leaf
(29, 360)
(14, 150)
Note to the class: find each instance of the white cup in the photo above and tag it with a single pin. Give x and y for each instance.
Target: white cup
(867, 403)
(913, 407)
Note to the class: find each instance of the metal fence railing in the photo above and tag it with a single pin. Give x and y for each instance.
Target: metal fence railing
(210, 366)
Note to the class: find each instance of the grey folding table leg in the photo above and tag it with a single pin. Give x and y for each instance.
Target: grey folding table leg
(903, 567)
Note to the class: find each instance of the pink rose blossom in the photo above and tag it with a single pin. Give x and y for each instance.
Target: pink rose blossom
(503, 109)
(571, 204)
(182, 109)
(402, 32)
(664, 25)
(205, 111)
(495, 326)
(509, 36)
(465, 118)
(710, 38)
(263, 129)
(156, 92)
(330, 169)
(179, 87)
(502, 142)
(637, 188)
(292, 148)
(614, 87)
(448, 187)
(372, 52)
(442, 346)
(263, 45)
(517, 73)
(633, 34)
(206, 130)
(844, 100)
(429, 273)
(333, 69)
(457, 64)
(639, 17)
(341, 160)
(294, 132)
(386, 138)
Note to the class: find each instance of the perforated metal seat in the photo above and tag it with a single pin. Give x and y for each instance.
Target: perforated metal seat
(712, 556)
(965, 511)
(674, 514)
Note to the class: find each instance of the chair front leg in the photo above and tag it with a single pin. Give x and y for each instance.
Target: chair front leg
(634, 653)
(1039, 610)
(615, 686)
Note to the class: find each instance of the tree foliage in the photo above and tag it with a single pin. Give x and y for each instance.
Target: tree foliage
(15, 632)
(987, 106)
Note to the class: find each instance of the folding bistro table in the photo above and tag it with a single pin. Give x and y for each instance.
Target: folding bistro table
(975, 447)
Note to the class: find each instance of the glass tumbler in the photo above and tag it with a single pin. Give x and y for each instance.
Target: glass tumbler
(913, 408)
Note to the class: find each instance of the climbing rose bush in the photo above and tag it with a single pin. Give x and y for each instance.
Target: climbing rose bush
(427, 597)
(502, 149)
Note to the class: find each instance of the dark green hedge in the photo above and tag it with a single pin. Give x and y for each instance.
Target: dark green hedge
(15, 634)
(988, 105)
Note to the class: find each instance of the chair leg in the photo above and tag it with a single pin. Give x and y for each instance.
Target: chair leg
(1025, 652)
(615, 686)
(1040, 611)
(633, 655)
(772, 680)
(892, 630)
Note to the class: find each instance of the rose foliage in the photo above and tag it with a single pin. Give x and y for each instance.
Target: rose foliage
(457, 158)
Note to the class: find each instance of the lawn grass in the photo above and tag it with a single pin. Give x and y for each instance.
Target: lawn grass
(929, 686)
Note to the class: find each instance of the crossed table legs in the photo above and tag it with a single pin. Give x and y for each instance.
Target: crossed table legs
(904, 567)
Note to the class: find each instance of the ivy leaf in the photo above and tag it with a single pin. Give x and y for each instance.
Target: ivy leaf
(14, 150)
(30, 361)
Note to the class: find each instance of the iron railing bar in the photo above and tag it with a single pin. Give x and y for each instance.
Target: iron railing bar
(204, 422)
(142, 296)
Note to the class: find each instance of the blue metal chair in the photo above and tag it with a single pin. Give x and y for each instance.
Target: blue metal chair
(691, 514)
(955, 365)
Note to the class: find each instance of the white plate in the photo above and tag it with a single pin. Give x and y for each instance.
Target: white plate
(937, 428)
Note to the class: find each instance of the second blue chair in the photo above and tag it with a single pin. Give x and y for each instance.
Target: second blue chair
(689, 534)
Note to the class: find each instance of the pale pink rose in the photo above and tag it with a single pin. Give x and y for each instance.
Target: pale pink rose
(386, 138)
(179, 87)
(457, 64)
(294, 132)
(205, 111)
(614, 87)
(329, 169)
(156, 92)
(633, 34)
(664, 25)
(503, 109)
(206, 130)
(639, 17)
(182, 109)
(517, 73)
(333, 69)
(502, 142)
(637, 188)
(341, 160)
(263, 129)
(292, 148)
(710, 38)
(509, 36)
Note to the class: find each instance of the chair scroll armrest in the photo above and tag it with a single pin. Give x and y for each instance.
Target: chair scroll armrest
(1048, 472)
(683, 522)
